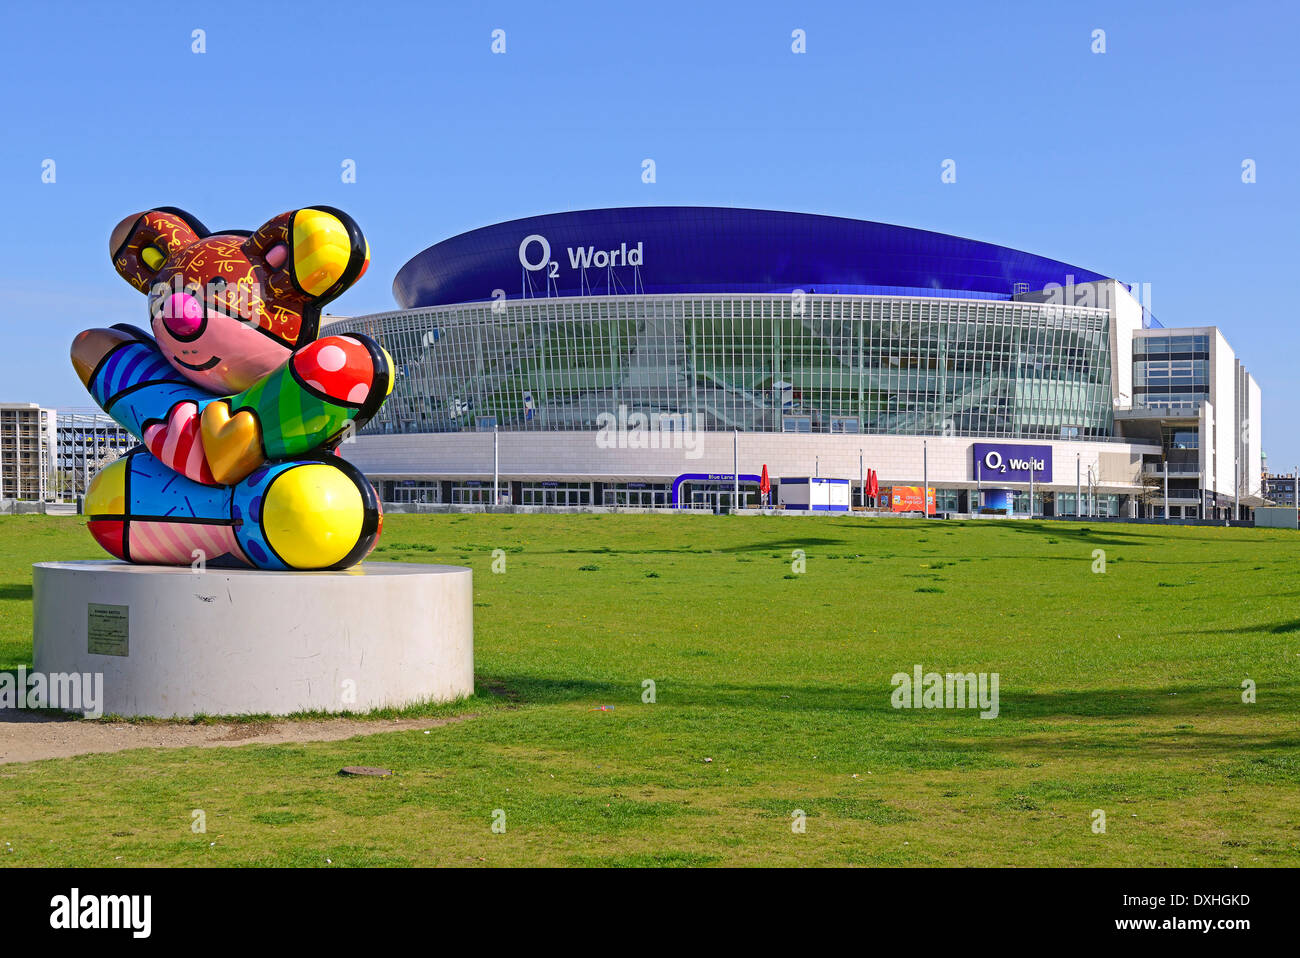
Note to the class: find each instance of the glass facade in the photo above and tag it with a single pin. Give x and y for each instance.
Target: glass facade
(87, 442)
(755, 362)
(1171, 372)
(643, 495)
(412, 491)
(556, 494)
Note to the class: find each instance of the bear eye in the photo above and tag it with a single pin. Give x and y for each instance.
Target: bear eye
(277, 255)
(153, 257)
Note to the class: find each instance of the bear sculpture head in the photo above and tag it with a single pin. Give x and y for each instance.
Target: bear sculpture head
(228, 308)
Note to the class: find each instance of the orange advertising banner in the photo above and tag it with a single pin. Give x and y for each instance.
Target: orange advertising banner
(908, 499)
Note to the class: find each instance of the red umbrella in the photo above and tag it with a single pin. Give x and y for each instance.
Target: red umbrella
(764, 485)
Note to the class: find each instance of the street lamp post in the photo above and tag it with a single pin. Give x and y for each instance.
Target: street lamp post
(1236, 488)
(496, 466)
(735, 468)
(1166, 465)
(925, 471)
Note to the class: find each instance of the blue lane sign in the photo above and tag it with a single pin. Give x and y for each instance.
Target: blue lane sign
(1012, 463)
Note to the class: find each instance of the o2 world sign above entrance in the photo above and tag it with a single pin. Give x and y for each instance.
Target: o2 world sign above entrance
(1000, 462)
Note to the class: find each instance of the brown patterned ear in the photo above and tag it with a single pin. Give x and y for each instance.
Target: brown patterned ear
(270, 234)
(141, 244)
(309, 256)
(270, 246)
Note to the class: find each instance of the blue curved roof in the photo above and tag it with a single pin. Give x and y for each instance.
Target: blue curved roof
(703, 249)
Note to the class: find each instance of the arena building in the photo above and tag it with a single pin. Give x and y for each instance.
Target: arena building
(661, 356)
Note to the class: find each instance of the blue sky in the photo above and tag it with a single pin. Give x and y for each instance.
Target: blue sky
(1127, 162)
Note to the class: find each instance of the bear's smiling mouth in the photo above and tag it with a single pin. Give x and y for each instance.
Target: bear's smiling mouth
(200, 367)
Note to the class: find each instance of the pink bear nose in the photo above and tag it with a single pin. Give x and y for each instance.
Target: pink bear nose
(182, 314)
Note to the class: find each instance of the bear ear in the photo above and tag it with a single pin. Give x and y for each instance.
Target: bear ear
(319, 248)
(141, 244)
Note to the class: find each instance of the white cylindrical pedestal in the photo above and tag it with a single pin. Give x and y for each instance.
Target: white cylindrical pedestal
(173, 642)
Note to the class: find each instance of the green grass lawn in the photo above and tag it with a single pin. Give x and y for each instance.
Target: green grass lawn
(1119, 690)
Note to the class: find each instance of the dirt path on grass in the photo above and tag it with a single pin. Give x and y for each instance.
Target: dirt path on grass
(31, 736)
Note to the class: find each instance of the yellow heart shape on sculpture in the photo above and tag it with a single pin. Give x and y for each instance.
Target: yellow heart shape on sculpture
(232, 444)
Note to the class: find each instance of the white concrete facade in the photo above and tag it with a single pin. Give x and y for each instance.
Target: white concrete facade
(27, 443)
(1228, 422)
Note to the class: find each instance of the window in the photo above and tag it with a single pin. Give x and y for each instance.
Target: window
(641, 495)
(556, 494)
(471, 493)
(1173, 437)
(411, 490)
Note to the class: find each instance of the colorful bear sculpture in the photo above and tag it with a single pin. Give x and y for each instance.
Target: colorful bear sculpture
(238, 405)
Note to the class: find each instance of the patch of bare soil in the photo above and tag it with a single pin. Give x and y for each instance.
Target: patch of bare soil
(32, 736)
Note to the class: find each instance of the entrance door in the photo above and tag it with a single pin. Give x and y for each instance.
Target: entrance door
(721, 499)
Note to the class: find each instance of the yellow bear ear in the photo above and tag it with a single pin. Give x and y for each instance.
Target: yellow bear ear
(140, 245)
(329, 252)
(153, 257)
